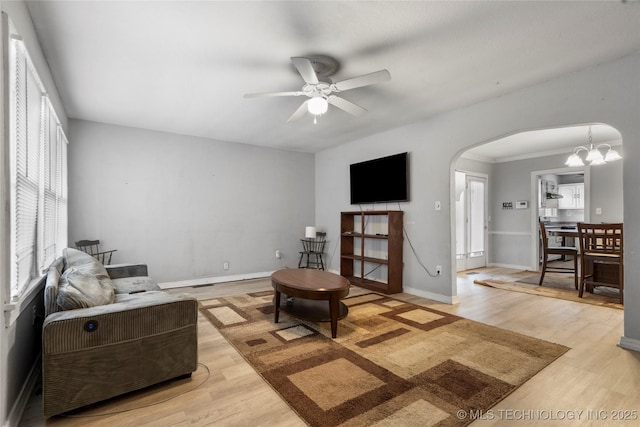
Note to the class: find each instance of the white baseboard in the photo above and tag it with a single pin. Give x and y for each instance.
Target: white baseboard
(431, 295)
(234, 278)
(629, 343)
(212, 280)
(513, 266)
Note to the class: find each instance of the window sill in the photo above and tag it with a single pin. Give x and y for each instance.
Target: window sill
(15, 308)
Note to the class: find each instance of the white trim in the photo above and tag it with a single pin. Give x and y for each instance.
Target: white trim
(13, 309)
(511, 233)
(629, 343)
(534, 226)
(212, 280)
(432, 296)
(513, 266)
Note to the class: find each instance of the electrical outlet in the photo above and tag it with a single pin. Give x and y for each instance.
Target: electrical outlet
(438, 270)
(225, 265)
(278, 254)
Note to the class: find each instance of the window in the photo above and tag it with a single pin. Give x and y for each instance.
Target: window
(38, 173)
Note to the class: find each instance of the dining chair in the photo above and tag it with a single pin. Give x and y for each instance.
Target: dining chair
(92, 247)
(601, 257)
(564, 251)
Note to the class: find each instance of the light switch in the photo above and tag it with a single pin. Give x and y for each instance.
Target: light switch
(438, 205)
(598, 211)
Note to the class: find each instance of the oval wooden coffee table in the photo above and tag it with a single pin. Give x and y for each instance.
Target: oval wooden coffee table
(311, 288)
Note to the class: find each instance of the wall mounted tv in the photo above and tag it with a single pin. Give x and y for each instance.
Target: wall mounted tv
(380, 180)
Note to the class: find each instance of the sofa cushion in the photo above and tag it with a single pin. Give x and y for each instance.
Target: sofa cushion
(79, 288)
(126, 285)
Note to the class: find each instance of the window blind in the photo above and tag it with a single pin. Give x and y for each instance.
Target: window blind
(38, 173)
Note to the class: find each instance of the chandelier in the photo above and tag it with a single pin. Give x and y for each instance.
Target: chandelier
(594, 155)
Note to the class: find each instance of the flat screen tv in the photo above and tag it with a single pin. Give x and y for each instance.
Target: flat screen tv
(380, 180)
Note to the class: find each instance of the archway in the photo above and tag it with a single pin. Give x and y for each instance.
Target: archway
(510, 162)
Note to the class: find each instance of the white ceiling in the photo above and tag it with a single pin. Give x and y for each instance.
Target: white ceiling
(183, 67)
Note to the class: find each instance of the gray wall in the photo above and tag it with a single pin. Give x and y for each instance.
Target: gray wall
(510, 233)
(608, 93)
(606, 191)
(186, 205)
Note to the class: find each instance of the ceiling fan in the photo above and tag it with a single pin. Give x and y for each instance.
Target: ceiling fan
(320, 89)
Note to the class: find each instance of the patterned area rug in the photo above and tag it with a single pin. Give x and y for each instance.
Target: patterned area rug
(556, 287)
(393, 363)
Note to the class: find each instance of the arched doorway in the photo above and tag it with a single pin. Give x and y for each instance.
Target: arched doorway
(512, 163)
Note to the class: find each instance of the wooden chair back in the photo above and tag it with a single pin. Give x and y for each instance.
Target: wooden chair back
(601, 239)
(314, 244)
(92, 247)
(545, 238)
(602, 256)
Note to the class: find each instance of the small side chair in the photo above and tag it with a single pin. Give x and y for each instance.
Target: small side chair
(92, 247)
(313, 250)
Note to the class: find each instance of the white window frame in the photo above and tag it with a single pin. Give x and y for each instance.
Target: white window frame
(38, 180)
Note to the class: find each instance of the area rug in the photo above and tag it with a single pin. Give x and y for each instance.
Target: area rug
(530, 286)
(393, 363)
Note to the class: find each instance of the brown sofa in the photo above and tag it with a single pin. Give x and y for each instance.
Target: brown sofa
(109, 331)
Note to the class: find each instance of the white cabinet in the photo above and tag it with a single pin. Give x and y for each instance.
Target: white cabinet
(572, 196)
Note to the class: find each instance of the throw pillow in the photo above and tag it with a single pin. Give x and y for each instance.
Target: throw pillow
(75, 257)
(81, 289)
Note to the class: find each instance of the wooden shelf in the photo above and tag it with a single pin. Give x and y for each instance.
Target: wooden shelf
(368, 284)
(353, 235)
(366, 259)
(366, 236)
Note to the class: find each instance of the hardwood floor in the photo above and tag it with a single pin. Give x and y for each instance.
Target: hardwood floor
(592, 380)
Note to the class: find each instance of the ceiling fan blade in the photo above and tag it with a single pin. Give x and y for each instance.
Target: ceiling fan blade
(305, 68)
(345, 105)
(363, 80)
(268, 94)
(301, 111)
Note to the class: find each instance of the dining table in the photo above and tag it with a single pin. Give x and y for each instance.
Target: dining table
(564, 232)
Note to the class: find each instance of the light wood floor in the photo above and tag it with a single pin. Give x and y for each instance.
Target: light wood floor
(594, 378)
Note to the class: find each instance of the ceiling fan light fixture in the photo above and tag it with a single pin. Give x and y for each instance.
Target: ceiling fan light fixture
(317, 105)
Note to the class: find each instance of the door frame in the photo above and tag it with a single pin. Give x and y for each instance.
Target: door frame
(462, 266)
(535, 226)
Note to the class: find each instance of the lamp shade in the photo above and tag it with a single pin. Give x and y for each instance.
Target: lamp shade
(310, 232)
(317, 105)
(574, 160)
(594, 155)
(612, 155)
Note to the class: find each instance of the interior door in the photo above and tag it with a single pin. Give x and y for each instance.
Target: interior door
(471, 221)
